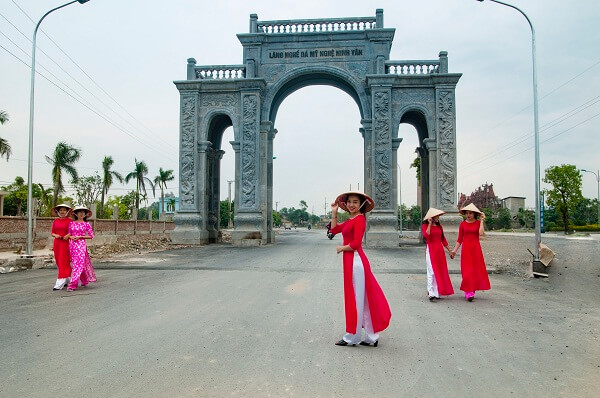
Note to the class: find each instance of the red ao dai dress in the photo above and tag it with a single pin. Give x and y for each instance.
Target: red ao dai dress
(82, 265)
(60, 247)
(438, 280)
(472, 264)
(364, 302)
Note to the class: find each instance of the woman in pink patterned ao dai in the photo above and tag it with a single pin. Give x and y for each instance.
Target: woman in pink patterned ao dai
(79, 231)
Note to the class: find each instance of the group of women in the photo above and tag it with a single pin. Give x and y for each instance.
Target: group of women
(70, 230)
(365, 304)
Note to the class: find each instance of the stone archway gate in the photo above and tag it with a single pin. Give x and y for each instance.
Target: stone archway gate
(280, 57)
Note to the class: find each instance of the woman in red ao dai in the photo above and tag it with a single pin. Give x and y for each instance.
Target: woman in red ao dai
(364, 302)
(60, 247)
(438, 280)
(472, 263)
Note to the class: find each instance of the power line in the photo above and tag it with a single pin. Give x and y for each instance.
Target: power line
(89, 77)
(77, 81)
(85, 105)
(544, 96)
(526, 136)
(531, 147)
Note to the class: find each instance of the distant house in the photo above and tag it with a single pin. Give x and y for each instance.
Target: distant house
(171, 206)
(513, 204)
(2, 195)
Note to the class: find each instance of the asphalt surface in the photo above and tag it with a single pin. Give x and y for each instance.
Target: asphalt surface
(220, 321)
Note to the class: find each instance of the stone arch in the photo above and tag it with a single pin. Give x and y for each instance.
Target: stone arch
(280, 57)
(217, 121)
(416, 116)
(315, 75)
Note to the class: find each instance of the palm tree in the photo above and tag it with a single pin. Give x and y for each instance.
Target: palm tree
(44, 199)
(62, 161)
(161, 180)
(5, 149)
(107, 179)
(139, 173)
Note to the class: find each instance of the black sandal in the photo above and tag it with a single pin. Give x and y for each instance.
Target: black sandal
(369, 344)
(344, 343)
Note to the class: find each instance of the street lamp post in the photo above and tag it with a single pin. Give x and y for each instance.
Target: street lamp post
(598, 181)
(538, 238)
(29, 250)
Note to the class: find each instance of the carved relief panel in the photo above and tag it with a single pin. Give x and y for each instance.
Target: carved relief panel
(382, 150)
(447, 148)
(249, 152)
(187, 172)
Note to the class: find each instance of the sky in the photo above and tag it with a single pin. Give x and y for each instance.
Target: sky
(118, 59)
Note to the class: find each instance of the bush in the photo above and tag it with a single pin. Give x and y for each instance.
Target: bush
(577, 228)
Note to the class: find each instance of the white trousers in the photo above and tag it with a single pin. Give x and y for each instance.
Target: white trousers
(61, 282)
(363, 315)
(432, 288)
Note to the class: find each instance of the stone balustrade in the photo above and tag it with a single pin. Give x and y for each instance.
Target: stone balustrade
(315, 25)
(412, 67)
(220, 72)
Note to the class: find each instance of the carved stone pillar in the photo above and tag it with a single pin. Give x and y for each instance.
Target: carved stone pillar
(248, 215)
(396, 189)
(446, 156)
(213, 193)
(236, 187)
(190, 218)
(367, 133)
(383, 221)
(270, 137)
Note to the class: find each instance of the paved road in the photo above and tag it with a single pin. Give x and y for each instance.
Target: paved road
(220, 321)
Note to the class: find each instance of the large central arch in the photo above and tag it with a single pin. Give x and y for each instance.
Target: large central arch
(281, 57)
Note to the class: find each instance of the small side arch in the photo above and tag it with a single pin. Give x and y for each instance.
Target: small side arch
(416, 116)
(216, 122)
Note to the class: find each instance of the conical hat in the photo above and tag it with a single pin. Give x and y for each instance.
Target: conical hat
(81, 207)
(432, 212)
(341, 200)
(66, 206)
(470, 207)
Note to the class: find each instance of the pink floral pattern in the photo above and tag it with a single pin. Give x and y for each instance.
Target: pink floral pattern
(81, 263)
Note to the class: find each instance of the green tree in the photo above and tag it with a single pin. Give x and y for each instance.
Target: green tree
(88, 189)
(5, 149)
(62, 161)
(45, 201)
(566, 190)
(490, 218)
(303, 205)
(277, 219)
(125, 204)
(17, 197)
(527, 218)
(585, 212)
(223, 212)
(417, 165)
(139, 174)
(415, 216)
(161, 181)
(108, 177)
(504, 218)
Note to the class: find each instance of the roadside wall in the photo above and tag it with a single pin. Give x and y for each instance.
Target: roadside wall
(13, 235)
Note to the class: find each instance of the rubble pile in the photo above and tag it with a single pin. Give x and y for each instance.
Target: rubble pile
(126, 245)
